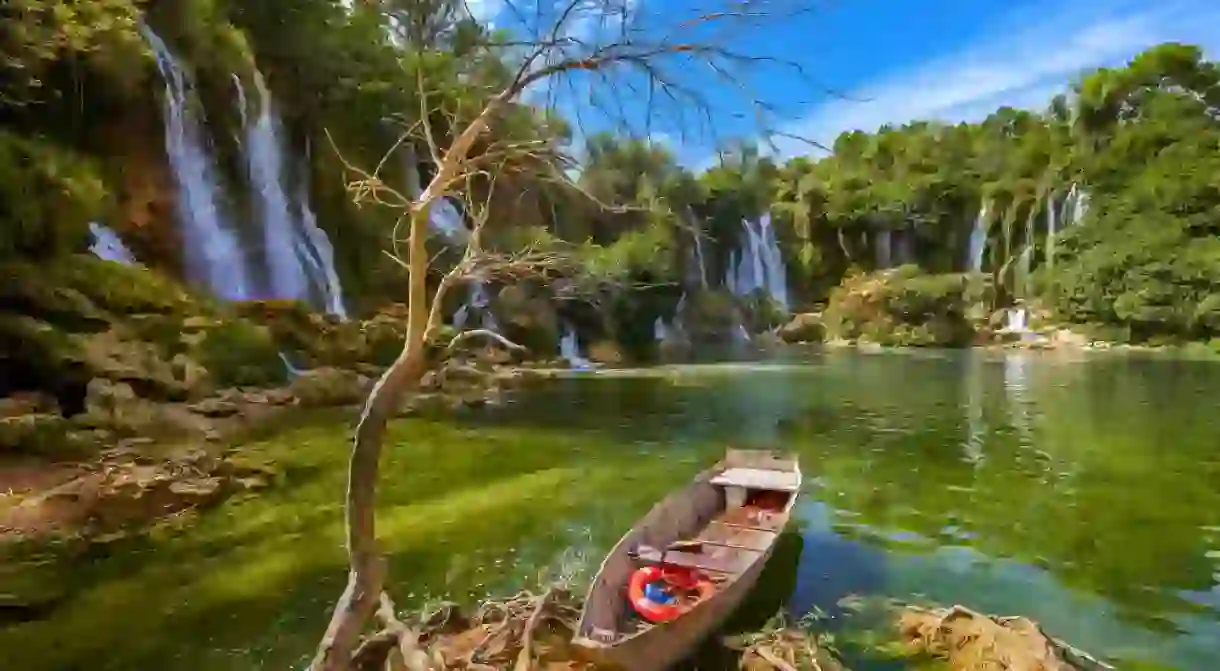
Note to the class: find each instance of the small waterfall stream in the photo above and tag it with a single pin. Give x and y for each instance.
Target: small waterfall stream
(569, 349)
(108, 245)
(978, 240)
(885, 248)
(213, 255)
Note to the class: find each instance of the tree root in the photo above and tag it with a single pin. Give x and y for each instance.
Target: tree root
(969, 640)
(781, 646)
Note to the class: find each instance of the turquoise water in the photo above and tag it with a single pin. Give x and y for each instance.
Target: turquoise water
(1083, 492)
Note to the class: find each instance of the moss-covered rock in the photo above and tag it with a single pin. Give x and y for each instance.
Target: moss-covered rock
(239, 353)
(328, 387)
(902, 307)
(803, 328)
(528, 317)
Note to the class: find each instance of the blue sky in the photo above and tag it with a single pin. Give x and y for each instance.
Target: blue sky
(895, 61)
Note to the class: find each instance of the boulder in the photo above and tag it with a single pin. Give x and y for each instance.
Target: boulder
(326, 387)
(606, 352)
(803, 328)
(42, 434)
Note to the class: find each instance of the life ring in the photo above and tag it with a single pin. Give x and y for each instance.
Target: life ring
(644, 584)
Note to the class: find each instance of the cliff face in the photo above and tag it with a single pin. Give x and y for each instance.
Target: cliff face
(143, 188)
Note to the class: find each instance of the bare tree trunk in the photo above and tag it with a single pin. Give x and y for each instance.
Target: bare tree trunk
(367, 570)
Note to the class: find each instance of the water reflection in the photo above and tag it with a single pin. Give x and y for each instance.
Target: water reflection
(1084, 493)
(1071, 490)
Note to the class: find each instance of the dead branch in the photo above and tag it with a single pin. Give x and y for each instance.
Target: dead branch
(465, 336)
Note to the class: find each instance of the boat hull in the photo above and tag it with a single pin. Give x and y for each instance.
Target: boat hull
(711, 512)
(662, 646)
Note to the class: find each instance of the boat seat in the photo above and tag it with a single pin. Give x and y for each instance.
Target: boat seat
(759, 478)
(713, 558)
(736, 537)
(750, 518)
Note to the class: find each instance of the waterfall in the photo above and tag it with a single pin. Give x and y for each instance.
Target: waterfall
(660, 332)
(479, 302)
(978, 240)
(108, 245)
(1072, 211)
(213, 256)
(320, 255)
(885, 248)
(1026, 261)
(1015, 320)
(758, 264)
(299, 255)
(445, 219)
(569, 349)
(698, 262)
(265, 170)
(905, 246)
(1050, 231)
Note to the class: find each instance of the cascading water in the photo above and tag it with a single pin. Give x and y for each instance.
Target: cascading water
(108, 245)
(320, 255)
(885, 248)
(213, 256)
(446, 220)
(904, 246)
(660, 331)
(697, 262)
(264, 165)
(1072, 211)
(758, 264)
(299, 255)
(978, 240)
(1050, 232)
(1016, 320)
(1025, 262)
(569, 349)
(477, 302)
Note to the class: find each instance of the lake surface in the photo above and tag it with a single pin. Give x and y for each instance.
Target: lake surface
(1081, 491)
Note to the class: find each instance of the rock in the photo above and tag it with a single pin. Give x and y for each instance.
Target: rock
(43, 434)
(116, 407)
(216, 407)
(803, 328)
(25, 403)
(606, 352)
(325, 387)
(528, 317)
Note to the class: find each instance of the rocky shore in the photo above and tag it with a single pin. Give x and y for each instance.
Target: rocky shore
(127, 399)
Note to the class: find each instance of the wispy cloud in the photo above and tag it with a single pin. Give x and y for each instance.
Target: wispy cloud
(1021, 63)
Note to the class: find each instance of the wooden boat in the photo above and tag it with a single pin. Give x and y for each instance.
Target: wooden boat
(717, 525)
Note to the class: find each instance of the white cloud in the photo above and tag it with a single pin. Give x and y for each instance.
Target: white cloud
(1021, 63)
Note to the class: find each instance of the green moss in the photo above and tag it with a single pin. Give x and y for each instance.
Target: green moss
(125, 290)
(240, 353)
(48, 196)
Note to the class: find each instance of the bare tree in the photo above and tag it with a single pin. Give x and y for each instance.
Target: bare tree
(628, 68)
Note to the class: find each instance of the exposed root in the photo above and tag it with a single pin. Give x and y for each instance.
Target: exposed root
(781, 646)
(971, 641)
(521, 633)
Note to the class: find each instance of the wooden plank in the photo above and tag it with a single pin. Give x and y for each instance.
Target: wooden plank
(753, 518)
(718, 558)
(757, 478)
(739, 537)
